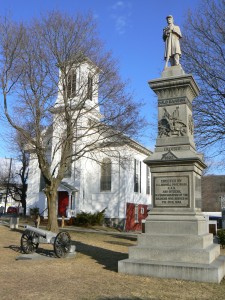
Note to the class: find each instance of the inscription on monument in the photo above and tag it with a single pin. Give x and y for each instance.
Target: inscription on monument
(174, 101)
(171, 101)
(171, 191)
(172, 148)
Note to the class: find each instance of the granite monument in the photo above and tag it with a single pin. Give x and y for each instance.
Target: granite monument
(176, 242)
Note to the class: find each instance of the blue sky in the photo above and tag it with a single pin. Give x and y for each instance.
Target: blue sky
(132, 29)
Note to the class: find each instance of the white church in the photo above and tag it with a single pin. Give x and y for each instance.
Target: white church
(119, 183)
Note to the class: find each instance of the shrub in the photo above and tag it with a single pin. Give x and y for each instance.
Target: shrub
(92, 219)
(221, 236)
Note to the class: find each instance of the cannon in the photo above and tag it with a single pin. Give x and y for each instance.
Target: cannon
(32, 237)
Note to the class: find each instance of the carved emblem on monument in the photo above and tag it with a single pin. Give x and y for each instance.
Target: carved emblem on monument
(171, 125)
(169, 156)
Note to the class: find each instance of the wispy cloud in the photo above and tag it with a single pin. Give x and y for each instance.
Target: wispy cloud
(121, 13)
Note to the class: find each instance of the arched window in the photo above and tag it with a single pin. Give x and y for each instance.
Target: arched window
(72, 81)
(136, 175)
(106, 177)
(90, 87)
(148, 180)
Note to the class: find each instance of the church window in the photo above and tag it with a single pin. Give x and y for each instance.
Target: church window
(106, 175)
(136, 214)
(148, 178)
(72, 80)
(90, 87)
(140, 178)
(136, 175)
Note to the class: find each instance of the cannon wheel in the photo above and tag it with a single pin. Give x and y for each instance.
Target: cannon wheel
(62, 244)
(27, 242)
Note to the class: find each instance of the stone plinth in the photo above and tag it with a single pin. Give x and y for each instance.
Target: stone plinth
(213, 272)
(176, 242)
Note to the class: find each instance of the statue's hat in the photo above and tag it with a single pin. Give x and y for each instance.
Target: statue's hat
(170, 16)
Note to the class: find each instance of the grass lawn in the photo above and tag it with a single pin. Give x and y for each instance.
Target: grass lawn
(92, 274)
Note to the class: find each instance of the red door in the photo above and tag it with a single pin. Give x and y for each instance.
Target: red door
(63, 202)
(134, 216)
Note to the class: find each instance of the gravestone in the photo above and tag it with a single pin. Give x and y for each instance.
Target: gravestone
(176, 242)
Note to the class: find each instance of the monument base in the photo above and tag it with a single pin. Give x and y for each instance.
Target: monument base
(176, 246)
(184, 271)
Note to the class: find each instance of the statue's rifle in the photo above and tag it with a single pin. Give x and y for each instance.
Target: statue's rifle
(168, 48)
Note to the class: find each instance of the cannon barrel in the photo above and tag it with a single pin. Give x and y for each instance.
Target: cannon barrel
(44, 233)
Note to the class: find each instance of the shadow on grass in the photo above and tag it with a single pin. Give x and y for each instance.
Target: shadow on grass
(128, 237)
(40, 251)
(19, 230)
(108, 258)
(128, 240)
(131, 298)
(117, 298)
(14, 248)
(126, 244)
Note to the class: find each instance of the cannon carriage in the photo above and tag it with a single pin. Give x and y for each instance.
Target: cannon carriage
(32, 237)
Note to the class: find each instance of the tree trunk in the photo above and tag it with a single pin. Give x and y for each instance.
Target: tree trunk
(52, 212)
(24, 205)
(23, 202)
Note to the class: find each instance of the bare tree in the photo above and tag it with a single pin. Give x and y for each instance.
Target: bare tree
(13, 178)
(203, 46)
(19, 182)
(38, 65)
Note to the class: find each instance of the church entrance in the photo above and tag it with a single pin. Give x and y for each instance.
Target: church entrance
(63, 202)
(134, 215)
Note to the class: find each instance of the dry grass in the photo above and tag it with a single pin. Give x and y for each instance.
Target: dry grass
(92, 274)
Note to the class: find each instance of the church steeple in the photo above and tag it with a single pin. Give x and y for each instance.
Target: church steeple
(78, 87)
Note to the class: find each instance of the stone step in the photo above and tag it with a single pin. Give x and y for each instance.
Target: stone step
(176, 227)
(213, 272)
(198, 256)
(176, 241)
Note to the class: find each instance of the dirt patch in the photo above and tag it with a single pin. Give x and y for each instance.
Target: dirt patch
(92, 274)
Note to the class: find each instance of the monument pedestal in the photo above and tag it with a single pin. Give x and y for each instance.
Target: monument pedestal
(176, 242)
(176, 247)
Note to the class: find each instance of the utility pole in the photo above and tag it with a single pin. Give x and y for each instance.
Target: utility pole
(222, 203)
(7, 189)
